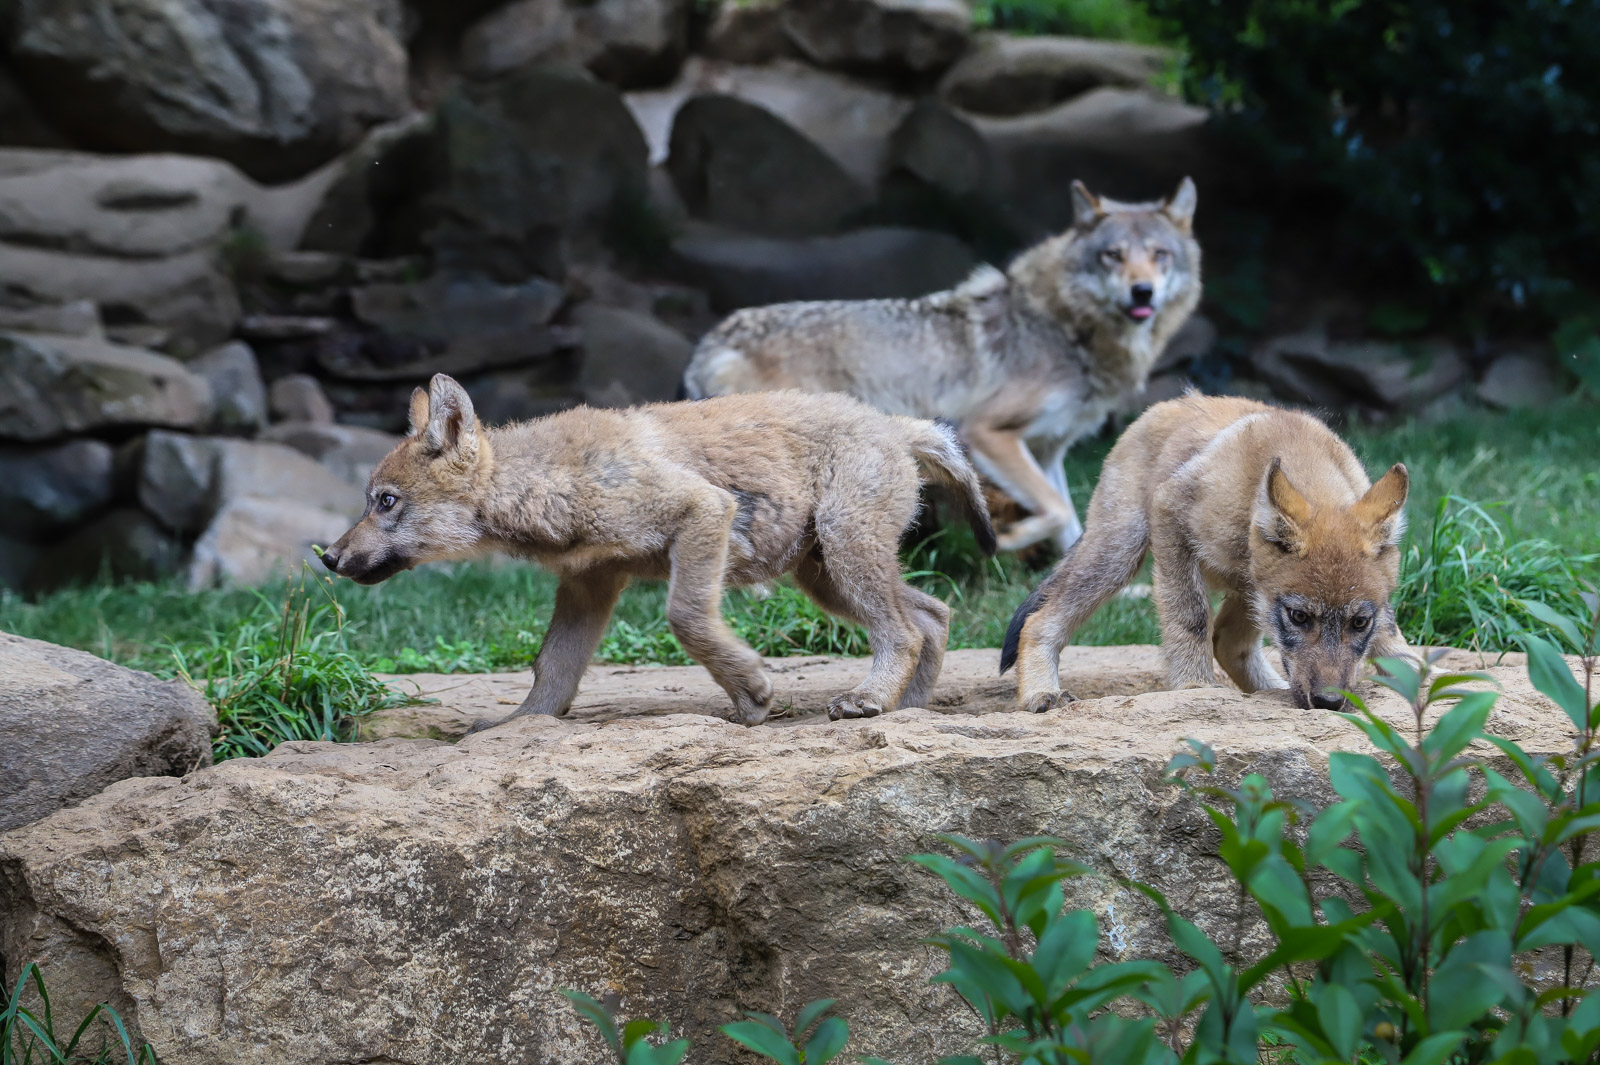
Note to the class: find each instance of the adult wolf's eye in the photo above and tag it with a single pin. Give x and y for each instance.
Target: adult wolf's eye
(386, 501)
(1112, 255)
(1162, 256)
(1299, 617)
(1360, 624)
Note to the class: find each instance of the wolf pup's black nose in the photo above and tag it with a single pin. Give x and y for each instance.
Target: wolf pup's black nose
(1327, 701)
(1142, 292)
(330, 558)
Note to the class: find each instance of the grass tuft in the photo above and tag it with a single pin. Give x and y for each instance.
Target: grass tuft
(28, 1035)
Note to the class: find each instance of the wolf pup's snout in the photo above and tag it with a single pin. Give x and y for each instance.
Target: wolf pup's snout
(330, 558)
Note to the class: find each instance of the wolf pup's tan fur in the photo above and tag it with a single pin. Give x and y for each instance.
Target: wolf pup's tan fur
(729, 492)
(1025, 362)
(1267, 505)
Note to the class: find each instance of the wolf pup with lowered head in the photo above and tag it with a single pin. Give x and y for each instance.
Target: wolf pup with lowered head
(731, 492)
(1025, 362)
(1266, 505)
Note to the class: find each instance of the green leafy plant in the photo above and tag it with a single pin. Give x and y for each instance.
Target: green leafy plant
(630, 1042)
(28, 1036)
(818, 1038)
(289, 678)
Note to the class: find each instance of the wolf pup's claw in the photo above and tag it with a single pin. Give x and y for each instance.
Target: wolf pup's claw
(851, 706)
(1050, 701)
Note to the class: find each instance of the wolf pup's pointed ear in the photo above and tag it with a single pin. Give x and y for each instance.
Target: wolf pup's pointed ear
(452, 429)
(419, 410)
(1382, 509)
(1281, 511)
(1086, 208)
(1181, 204)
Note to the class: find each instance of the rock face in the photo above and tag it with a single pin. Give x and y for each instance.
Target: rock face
(74, 724)
(238, 394)
(1519, 379)
(53, 386)
(629, 43)
(1004, 75)
(1378, 375)
(629, 357)
(737, 164)
(893, 37)
(425, 900)
(276, 87)
(47, 489)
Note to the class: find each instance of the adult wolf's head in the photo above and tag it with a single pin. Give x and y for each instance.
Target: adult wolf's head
(422, 498)
(1323, 576)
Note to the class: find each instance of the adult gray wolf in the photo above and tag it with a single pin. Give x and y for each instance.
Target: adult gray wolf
(1267, 505)
(734, 491)
(1025, 362)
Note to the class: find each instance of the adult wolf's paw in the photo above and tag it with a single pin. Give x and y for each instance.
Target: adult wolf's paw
(852, 705)
(1043, 701)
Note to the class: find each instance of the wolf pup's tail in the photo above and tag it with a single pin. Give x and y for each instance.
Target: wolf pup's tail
(938, 450)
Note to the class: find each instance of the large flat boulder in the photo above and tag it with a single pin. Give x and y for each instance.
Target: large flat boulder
(52, 386)
(630, 43)
(73, 724)
(1006, 75)
(407, 900)
(894, 38)
(275, 87)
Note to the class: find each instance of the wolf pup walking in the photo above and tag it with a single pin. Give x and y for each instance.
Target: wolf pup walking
(731, 492)
(1025, 362)
(1265, 504)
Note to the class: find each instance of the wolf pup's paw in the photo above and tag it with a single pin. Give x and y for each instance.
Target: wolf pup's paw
(1038, 704)
(481, 725)
(752, 707)
(852, 705)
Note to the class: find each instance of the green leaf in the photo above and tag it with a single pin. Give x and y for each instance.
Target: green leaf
(1567, 627)
(809, 1013)
(596, 1013)
(964, 881)
(1340, 1018)
(830, 1038)
(1551, 675)
(636, 1030)
(763, 1040)
(1459, 726)
(1436, 1049)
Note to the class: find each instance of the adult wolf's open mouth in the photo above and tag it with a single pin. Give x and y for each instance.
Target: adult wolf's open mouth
(1140, 312)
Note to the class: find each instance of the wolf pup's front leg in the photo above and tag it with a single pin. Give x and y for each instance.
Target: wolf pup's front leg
(584, 603)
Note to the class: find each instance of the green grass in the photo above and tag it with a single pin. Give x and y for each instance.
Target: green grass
(1117, 20)
(293, 663)
(28, 1033)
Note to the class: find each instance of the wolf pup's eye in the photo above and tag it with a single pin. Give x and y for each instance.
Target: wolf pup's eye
(387, 501)
(1299, 617)
(1360, 623)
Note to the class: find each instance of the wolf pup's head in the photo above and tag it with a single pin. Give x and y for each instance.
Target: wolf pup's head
(1323, 576)
(1126, 263)
(421, 499)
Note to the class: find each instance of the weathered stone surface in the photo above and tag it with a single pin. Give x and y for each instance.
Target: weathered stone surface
(523, 160)
(47, 489)
(1521, 380)
(629, 43)
(53, 386)
(369, 191)
(894, 37)
(238, 395)
(629, 357)
(256, 539)
(747, 31)
(77, 318)
(177, 478)
(276, 87)
(1194, 338)
(737, 164)
(75, 723)
(1378, 375)
(697, 867)
(299, 398)
(874, 263)
(941, 150)
(349, 451)
(849, 120)
(124, 544)
(1006, 75)
(186, 481)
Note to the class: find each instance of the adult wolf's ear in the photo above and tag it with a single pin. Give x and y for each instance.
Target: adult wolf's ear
(452, 430)
(1180, 205)
(1281, 511)
(419, 410)
(1086, 207)
(1382, 509)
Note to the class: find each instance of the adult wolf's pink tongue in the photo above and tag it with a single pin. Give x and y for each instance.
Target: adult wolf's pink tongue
(1141, 313)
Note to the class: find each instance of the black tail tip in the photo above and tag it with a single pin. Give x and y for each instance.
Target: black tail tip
(683, 391)
(983, 529)
(1008, 650)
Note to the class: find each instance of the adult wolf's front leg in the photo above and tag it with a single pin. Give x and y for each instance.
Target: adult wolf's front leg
(584, 603)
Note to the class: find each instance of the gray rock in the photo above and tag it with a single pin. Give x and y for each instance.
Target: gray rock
(349, 451)
(254, 540)
(238, 395)
(56, 386)
(1520, 379)
(629, 357)
(525, 160)
(299, 398)
(736, 164)
(124, 544)
(369, 193)
(44, 490)
(1380, 376)
(628, 43)
(1006, 75)
(76, 724)
(1194, 338)
(186, 481)
(79, 318)
(892, 37)
(275, 88)
(748, 31)
(875, 263)
(940, 149)
(177, 480)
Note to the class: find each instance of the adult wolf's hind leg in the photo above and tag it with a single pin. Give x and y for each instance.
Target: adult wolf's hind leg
(1003, 457)
(584, 603)
(694, 608)
(1237, 641)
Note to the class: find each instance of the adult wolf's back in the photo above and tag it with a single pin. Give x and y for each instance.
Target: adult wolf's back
(1025, 362)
